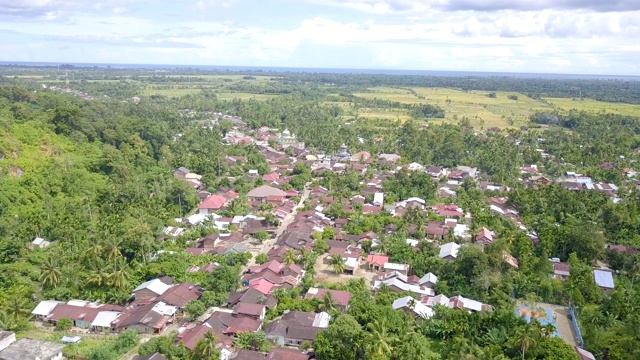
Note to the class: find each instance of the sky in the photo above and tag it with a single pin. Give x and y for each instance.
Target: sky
(532, 36)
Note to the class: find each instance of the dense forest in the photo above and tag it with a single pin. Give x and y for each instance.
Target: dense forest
(95, 178)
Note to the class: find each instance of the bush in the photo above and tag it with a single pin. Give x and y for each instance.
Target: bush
(262, 258)
(64, 324)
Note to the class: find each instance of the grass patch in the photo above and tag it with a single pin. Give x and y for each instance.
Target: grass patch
(82, 350)
(171, 92)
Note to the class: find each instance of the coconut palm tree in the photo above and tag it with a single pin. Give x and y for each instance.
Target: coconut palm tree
(119, 276)
(328, 302)
(290, 257)
(380, 340)
(7, 322)
(526, 338)
(112, 248)
(17, 307)
(206, 348)
(337, 262)
(50, 273)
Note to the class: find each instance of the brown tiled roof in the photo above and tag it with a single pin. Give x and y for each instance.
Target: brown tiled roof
(243, 324)
(302, 332)
(249, 309)
(84, 313)
(179, 295)
(286, 354)
(340, 297)
(244, 354)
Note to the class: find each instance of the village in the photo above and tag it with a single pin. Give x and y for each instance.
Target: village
(283, 223)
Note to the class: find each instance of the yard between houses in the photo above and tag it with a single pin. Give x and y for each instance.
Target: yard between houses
(82, 350)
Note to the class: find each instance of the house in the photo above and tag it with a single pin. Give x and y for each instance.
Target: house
(154, 356)
(231, 324)
(437, 230)
(341, 298)
(173, 231)
(191, 334)
(378, 199)
(266, 193)
(604, 279)
(254, 311)
(44, 308)
(146, 319)
(389, 158)
(211, 204)
(377, 261)
(448, 210)
(179, 295)
(77, 311)
(181, 173)
(561, 271)
(402, 283)
(251, 296)
(150, 289)
(429, 280)
(6, 338)
(102, 323)
(435, 171)
(393, 267)
(361, 156)
(40, 243)
(271, 178)
(412, 307)
(449, 251)
(296, 327)
(485, 236)
(27, 349)
(584, 354)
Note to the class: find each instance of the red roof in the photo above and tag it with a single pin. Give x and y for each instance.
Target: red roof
(271, 177)
(179, 295)
(340, 297)
(213, 202)
(292, 193)
(378, 259)
(190, 337)
(262, 285)
(243, 324)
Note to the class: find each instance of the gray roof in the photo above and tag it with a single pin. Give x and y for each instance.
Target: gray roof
(603, 278)
(26, 348)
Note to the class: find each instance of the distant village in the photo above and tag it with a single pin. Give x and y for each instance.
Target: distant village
(157, 306)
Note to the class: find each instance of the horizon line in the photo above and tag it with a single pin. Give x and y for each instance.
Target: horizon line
(292, 69)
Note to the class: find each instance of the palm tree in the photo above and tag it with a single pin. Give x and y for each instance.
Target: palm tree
(50, 273)
(99, 277)
(206, 348)
(17, 307)
(112, 247)
(380, 340)
(328, 302)
(119, 276)
(290, 257)
(337, 262)
(7, 322)
(526, 338)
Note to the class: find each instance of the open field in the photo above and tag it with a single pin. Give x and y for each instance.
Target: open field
(481, 110)
(595, 106)
(244, 96)
(171, 92)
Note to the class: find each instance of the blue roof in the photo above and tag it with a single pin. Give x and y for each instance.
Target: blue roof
(603, 278)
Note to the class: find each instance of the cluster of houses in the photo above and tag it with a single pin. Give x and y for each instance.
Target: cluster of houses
(155, 305)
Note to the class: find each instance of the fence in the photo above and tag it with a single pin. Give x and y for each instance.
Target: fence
(576, 327)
